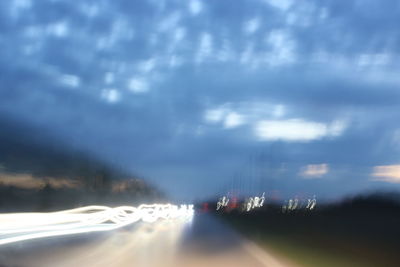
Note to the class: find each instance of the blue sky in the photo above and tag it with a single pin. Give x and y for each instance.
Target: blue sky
(190, 94)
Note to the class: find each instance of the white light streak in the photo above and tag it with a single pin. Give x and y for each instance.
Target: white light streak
(256, 202)
(222, 202)
(15, 227)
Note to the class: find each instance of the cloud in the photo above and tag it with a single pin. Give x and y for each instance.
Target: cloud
(268, 122)
(147, 65)
(170, 22)
(295, 130)
(109, 78)
(18, 6)
(314, 171)
(252, 25)
(264, 73)
(225, 53)
(283, 48)
(195, 7)
(280, 4)
(279, 111)
(138, 85)
(21, 4)
(224, 115)
(89, 10)
(252, 110)
(111, 95)
(205, 47)
(216, 115)
(119, 30)
(59, 29)
(386, 173)
(71, 80)
(233, 120)
(396, 138)
(373, 60)
(179, 34)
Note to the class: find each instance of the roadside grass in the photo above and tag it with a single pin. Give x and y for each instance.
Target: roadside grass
(310, 255)
(325, 238)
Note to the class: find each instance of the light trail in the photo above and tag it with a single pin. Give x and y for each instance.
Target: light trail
(15, 227)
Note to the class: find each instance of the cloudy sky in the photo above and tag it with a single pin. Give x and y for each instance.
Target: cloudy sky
(203, 96)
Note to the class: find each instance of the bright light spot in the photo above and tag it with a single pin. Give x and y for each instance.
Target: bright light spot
(70, 80)
(111, 95)
(233, 120)
(252, 25)
(314, 170)
(387, 173)
(254, 202)
(195, 7)
(138, 85)
(222, 202)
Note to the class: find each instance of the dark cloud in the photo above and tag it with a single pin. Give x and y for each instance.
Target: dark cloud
(132, 81)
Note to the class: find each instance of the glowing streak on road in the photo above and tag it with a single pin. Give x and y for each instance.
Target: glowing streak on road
(16, 227)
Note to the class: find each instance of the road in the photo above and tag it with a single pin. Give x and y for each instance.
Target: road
(202, 242)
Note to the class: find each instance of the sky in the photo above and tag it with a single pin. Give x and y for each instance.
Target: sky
(203, 97)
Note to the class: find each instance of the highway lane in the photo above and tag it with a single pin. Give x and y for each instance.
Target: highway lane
(202, 242)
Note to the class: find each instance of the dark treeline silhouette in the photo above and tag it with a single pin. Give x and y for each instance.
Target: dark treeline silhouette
(364, 230)
(29, 150)
(48, 198)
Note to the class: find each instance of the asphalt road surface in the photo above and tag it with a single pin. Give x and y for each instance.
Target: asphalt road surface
(202, 242)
